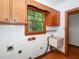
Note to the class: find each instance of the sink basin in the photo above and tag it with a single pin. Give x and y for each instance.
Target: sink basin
(56, 42)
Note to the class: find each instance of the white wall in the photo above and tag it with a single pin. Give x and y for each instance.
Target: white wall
(13, 35)
(65, 6)
(74, 29)
(60, 29)
(51, 3)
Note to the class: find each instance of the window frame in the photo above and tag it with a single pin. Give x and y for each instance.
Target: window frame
(43, 21)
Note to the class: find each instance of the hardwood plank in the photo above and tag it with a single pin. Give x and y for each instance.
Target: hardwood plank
(73, 54)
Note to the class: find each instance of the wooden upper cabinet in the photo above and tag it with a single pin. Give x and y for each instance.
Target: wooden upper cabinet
(57, 18)
(12, 11)
(48, 16)
(53, 18)
(17, 11)
(4, 10)
(38, 5)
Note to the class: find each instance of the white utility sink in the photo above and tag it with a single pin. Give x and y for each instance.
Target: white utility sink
(56, 42)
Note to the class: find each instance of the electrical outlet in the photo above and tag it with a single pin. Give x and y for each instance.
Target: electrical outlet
(31, 39)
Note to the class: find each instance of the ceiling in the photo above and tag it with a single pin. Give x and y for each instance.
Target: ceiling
(51, 2)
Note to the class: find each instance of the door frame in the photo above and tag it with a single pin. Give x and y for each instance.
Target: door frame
(67, 13)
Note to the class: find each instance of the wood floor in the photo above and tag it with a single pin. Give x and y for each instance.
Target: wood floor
(73, 54)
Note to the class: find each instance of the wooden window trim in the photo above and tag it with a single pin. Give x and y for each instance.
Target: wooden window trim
(44, 24)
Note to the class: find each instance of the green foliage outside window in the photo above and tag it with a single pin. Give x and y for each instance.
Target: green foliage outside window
(35, 20)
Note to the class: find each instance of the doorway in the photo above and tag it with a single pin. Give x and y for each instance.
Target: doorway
(67, 15)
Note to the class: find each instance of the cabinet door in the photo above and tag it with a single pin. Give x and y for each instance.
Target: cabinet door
(18, 11)
(53, 18)
(4, 10)
(48, 17)
(56, 18)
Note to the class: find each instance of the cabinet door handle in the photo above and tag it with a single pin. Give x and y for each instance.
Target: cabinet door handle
(6, 19)
(14, 20)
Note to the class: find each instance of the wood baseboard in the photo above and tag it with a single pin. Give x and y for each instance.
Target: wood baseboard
(73, 46)
(39, 57)
(61, 52)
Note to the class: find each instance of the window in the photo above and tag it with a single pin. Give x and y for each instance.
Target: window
(35, 21)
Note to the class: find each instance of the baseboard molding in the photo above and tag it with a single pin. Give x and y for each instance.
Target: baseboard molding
(73, 46)
(39, 57)
(61, 52)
